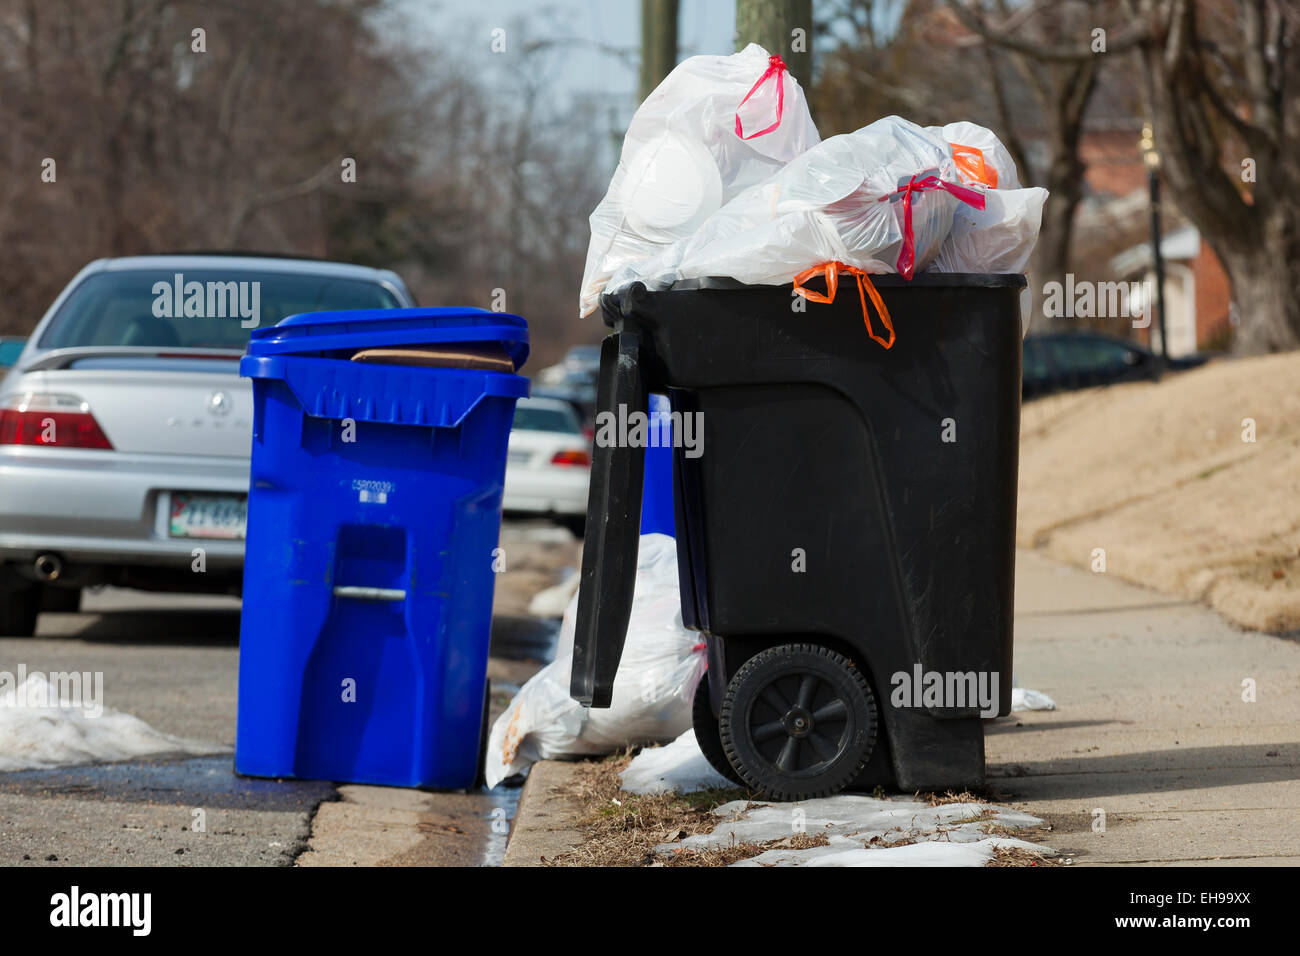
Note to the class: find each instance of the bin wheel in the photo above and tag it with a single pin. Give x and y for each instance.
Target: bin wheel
(798, 721)
(707, 735)
(480, 775)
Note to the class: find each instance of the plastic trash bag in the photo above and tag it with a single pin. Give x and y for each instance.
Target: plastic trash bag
(879, 200)
(661, 666)
(679, 767)
(1001, 236)
(715, 126)
(998, 238)
(979, 155)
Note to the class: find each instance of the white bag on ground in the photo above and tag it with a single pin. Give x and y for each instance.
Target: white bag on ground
(841, 201)
(661, 665)
(683, 157)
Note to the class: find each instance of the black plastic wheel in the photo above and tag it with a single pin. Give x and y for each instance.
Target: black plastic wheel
(20, 603)
(798, 721)
(706, 733)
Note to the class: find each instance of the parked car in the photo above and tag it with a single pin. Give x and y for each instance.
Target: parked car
(1059, 361)
(576, 372)
(11, 347)
(548, 466)
(125, 428)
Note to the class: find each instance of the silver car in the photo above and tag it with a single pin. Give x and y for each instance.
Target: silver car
(125, 428)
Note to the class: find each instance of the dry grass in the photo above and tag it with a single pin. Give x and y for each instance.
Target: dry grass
(934, 800)
(1015, 856)
(623, 829)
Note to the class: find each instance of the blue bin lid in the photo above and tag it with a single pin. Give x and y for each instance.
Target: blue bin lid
(311, 333)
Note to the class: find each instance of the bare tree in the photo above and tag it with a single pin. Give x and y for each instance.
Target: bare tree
(782, 27)
(1215, 83)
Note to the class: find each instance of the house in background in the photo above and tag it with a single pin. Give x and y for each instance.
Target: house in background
(1197, 291)
(1114, 224)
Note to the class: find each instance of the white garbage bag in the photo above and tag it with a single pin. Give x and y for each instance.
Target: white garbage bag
(715, 126)
(879, 200)
(998, 238)
(1001, 236)
(979, 155)
(661, 665)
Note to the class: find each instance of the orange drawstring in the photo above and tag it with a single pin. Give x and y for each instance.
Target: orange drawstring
(831, 272)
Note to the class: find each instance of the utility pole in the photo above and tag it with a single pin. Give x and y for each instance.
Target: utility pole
(658, 42)
(783, 28)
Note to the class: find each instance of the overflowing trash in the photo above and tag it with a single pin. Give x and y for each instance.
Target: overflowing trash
(724, 177)
(662, 664)
(715, 126)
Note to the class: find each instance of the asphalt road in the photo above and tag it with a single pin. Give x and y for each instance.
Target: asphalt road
(172, 661)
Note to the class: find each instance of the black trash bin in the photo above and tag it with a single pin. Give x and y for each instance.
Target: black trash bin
(845, 532)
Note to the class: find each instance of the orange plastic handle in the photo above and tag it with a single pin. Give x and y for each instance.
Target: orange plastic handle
(830, 271)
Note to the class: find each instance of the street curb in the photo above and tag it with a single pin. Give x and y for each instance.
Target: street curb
(544, 823)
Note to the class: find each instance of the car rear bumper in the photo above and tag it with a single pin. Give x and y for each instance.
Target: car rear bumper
(109, 508)
(556, 491)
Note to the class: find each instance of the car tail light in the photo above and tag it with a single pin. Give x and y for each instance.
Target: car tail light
(49, 419)
(580, 458)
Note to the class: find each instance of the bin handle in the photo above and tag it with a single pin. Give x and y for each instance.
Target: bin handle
(831, 272)
(361, 593)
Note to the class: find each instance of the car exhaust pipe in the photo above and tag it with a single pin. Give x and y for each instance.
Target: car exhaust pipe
(48, 567)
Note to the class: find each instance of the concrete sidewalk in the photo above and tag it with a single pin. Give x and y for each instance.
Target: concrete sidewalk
(1151, 736)
(1151, 728)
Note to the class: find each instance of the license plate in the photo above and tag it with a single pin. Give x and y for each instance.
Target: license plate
(208, 516)
(519, 457)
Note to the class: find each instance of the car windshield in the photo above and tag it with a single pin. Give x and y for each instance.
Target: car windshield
(208, 308)
(546, 418)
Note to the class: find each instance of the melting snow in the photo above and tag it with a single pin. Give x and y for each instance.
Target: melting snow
(36, 733)
(862, 831)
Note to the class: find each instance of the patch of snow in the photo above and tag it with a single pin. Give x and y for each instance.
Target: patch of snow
(864, 819)
(678, 767)
(38, 731)
(847, 851)
(862, 831)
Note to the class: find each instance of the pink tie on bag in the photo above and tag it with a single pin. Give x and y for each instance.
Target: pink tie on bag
(907, 255)
(775, 67)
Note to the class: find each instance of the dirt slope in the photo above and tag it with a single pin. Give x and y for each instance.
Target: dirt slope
(1163, 478)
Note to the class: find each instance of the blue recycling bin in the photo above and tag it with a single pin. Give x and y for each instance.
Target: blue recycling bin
(374, 513)
(657, 492)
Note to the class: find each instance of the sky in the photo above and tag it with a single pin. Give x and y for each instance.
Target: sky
(602, 37)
